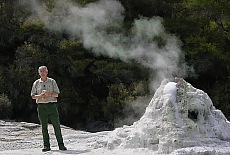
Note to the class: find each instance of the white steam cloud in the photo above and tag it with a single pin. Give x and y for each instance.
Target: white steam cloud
(93, 22)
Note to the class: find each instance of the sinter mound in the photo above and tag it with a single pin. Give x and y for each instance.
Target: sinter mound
(178, 116)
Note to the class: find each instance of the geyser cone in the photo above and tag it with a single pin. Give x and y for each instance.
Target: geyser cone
(178, 116)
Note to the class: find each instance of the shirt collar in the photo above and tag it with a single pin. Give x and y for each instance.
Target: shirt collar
(40, 80)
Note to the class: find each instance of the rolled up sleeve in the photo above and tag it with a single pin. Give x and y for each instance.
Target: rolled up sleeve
(33, 90)
(55, 87)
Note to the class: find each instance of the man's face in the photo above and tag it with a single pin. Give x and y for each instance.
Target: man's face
(42, 72)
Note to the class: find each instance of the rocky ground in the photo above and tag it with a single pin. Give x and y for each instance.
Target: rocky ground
(22, 135)
(179, 120)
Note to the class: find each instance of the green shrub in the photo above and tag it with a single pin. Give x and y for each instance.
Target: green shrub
(220, 97)
(5, 107)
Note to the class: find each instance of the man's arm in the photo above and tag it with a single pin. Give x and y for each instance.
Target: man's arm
(53, 94)
(56, 90)
(39, 95)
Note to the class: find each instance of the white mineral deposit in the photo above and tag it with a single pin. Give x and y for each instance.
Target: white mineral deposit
(179, 120)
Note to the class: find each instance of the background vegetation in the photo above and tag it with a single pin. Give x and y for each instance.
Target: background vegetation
(96, 91)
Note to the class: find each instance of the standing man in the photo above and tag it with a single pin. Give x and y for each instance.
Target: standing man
(45, 91)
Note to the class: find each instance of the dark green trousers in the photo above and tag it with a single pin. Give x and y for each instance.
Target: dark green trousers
(48, 111)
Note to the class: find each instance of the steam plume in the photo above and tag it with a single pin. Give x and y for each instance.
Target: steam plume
(92, 23)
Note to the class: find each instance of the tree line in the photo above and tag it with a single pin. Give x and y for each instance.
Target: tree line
(98, 91)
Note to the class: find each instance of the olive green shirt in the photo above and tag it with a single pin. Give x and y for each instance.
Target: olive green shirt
(39, 85)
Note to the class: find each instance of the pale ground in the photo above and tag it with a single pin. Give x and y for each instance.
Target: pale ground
(26, 139)
(164, 127)
(20, 138)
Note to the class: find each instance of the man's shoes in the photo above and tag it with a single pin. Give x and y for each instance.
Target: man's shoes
(46, 149)
(63, 148)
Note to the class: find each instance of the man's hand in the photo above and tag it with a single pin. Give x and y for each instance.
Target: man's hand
(42, 95)
(47, 93)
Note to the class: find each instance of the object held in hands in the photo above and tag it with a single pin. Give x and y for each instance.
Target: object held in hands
(44, 97)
